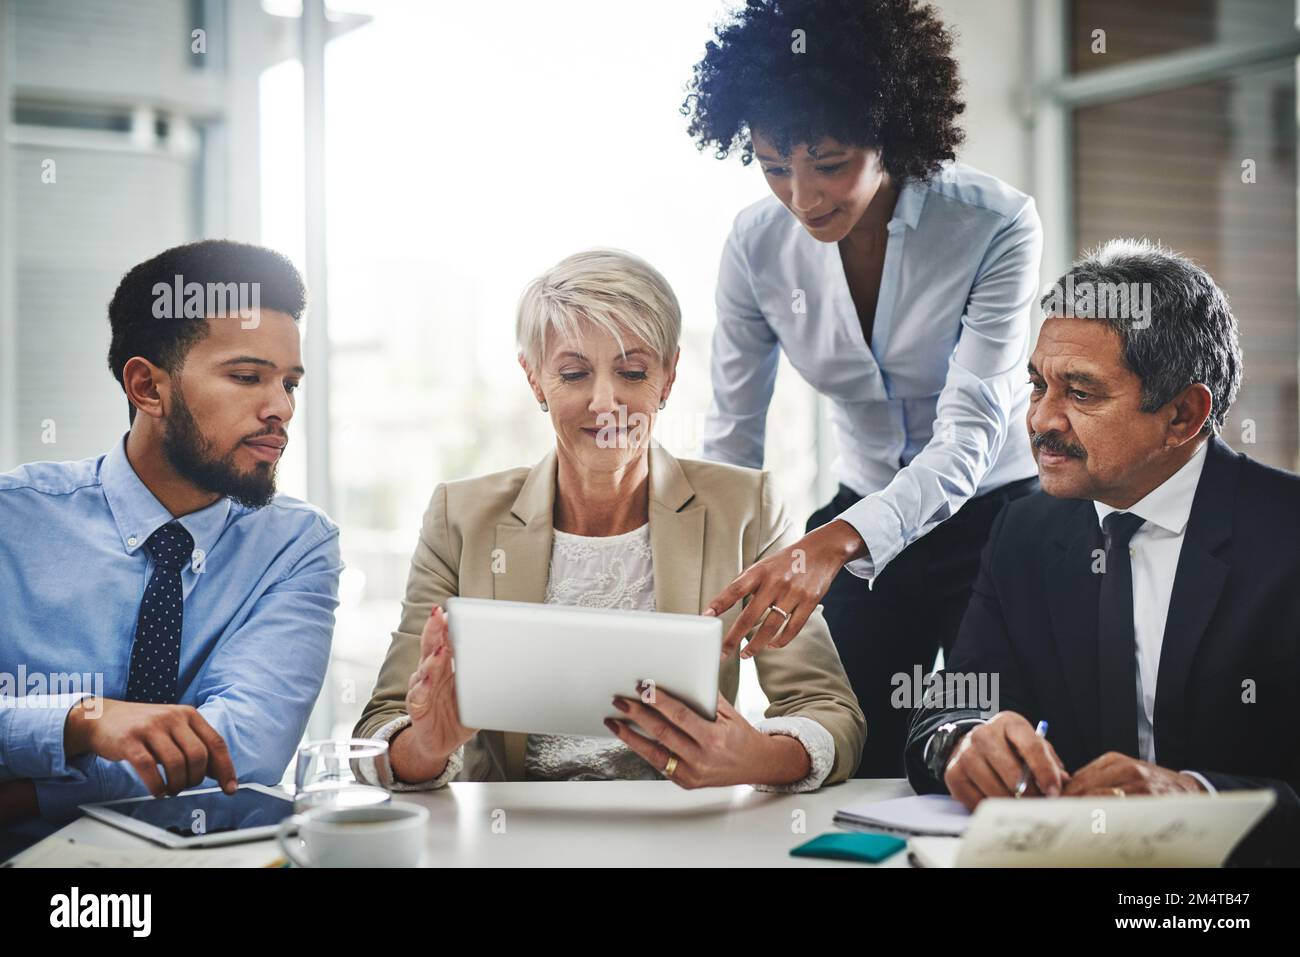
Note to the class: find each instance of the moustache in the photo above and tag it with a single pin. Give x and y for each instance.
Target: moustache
(1052, 443)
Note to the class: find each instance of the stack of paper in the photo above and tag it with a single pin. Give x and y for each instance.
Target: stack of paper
(934, 815)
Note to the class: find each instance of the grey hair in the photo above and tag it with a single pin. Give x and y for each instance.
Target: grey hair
(1189, 336)
(616, 291)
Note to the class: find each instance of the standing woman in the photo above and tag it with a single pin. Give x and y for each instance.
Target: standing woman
(900, 285)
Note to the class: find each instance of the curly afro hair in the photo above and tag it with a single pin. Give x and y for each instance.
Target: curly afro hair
(870, 73)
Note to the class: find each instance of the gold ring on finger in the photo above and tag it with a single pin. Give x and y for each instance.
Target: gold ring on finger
(671, 766)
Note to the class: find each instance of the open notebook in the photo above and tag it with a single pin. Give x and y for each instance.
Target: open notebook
(1195, 830)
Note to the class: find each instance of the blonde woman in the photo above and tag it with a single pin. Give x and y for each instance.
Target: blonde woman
(608, 519)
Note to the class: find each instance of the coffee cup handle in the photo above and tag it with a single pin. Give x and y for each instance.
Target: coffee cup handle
(291, 823)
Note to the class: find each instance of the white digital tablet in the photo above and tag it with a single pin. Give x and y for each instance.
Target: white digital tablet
(552, 669)
(201, 818)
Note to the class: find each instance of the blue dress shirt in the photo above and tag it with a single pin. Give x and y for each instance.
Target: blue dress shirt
(933, 412)
(259, 593)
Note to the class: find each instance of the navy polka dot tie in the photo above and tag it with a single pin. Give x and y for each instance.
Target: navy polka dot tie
(156, 653)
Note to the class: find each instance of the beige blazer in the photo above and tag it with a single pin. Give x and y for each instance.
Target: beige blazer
(708, 522)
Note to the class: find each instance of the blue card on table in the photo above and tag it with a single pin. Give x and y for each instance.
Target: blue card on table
(872, 848)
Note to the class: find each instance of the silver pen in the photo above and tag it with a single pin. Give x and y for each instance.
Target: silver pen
(1041, 731)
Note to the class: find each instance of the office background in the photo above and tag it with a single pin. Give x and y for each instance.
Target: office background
(421, 161)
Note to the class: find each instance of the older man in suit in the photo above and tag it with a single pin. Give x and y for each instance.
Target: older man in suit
(1147, 602)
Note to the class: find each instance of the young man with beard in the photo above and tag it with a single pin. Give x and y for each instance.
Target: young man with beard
(201, 602)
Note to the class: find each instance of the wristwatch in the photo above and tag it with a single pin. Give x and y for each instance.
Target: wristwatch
(941, 745)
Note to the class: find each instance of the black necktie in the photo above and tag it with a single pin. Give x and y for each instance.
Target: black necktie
(1117, 644)
(156, 652)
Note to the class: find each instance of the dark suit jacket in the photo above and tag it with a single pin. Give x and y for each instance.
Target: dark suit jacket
(1232, 629)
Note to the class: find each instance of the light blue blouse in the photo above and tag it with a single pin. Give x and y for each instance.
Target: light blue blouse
(933, 412)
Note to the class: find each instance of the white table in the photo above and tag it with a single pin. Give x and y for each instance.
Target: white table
(601, 823)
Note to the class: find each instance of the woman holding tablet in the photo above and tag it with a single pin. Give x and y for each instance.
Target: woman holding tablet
(607, 520)
(900, 285)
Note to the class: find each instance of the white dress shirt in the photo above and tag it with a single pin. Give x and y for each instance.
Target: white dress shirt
(1153, 555)
(933, 412)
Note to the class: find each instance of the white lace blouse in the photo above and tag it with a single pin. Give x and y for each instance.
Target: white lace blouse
(616, 572)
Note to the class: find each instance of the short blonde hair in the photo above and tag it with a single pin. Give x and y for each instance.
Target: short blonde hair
(616, 291)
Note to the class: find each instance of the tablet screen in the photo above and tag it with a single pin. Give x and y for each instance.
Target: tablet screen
(193, 815)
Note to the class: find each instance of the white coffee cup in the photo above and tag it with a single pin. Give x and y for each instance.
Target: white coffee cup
(378, 835)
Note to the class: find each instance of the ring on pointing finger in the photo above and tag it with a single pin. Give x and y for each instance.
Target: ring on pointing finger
(671, 766)
(1118, 792)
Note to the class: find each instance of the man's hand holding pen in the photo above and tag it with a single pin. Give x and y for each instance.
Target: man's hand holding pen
(990, 760)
